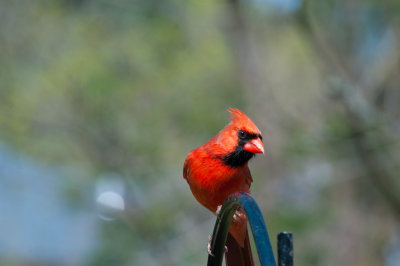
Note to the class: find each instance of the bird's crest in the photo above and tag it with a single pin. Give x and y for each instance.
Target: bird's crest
(241, 120)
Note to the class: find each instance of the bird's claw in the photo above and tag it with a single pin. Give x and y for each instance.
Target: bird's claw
(239, 215)
(217, 212)
(209, 247)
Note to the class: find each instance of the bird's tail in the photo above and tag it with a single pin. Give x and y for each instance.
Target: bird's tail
(238, 242)
(237, 254)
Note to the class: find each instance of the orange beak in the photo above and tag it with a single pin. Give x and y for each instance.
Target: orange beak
(254, 146)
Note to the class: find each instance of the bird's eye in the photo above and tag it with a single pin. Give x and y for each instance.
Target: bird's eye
(242, 134)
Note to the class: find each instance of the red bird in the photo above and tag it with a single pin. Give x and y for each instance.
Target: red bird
(219, 167)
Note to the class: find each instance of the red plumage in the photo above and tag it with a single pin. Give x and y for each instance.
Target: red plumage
(219, 167)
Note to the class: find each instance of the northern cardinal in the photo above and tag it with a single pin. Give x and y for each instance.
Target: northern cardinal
(219, 167)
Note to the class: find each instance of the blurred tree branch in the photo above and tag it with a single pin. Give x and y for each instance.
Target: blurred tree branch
(366, 124)
(248, 68)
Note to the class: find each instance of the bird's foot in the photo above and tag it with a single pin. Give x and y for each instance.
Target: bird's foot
(239, 215)
(217, 212)
(209, 247)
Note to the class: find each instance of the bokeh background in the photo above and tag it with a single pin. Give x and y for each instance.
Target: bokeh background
(100, 102)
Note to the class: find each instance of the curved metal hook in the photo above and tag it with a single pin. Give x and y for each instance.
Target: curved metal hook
(255, 218)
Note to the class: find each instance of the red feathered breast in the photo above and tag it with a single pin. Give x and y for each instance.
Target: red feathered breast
(211, 181)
